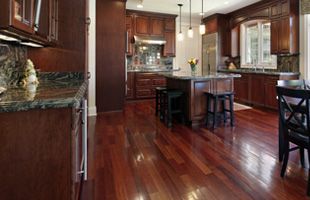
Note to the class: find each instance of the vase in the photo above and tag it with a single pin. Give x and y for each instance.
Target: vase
(193, 69)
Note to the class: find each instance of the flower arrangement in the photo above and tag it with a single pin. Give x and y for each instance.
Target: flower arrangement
(193, 62)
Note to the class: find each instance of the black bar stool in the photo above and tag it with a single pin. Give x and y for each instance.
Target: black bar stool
(220, 98)
(159, 98)
(173, 104)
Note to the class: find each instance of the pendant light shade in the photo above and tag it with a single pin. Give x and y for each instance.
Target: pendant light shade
(140, 4)
(180, 34)
(202, 27)
(190, 32)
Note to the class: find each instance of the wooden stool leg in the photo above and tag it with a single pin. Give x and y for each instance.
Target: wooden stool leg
(215, 111)
(224, 110)
(208, 109)
(231, 105)
(157, 101)
(169, 115)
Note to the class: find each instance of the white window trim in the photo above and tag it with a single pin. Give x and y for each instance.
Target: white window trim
(243, 43)
(305, 46)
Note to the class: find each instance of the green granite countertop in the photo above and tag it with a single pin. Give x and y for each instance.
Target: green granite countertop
(258, 71)
(187, 75)
(55, 90)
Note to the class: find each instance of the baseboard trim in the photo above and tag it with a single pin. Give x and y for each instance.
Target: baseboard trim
(92, 111)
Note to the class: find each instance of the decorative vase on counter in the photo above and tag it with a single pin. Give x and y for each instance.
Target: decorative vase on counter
(193, 63)
(193, 69)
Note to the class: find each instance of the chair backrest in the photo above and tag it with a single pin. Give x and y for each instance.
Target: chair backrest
(294, 110)
(291, 83)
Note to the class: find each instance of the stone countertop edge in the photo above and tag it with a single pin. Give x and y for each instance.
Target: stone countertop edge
(152, 71)
(275, 73)
(199, 77)
(45, 104)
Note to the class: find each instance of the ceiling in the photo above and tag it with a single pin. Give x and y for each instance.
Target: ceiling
(170, 6)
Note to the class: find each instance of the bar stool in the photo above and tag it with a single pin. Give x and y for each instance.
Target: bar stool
(159, 98)
(220, 98)
(173, 104)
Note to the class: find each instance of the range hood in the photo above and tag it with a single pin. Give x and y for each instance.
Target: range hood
(149, 40)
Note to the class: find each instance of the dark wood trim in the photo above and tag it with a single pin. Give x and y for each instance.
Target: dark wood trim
(150, 14)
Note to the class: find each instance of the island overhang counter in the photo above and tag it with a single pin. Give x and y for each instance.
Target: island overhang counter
(194, 87)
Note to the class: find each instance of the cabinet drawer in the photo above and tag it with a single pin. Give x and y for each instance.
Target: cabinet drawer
(144, 93)
(159, 82)
(143, 82)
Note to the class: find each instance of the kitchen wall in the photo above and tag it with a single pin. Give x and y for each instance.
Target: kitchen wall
(12, 60)
(189, 47)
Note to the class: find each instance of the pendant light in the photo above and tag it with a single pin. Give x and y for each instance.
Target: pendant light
(190, 32)
(180, 34)
(202, 27)
(140, 4)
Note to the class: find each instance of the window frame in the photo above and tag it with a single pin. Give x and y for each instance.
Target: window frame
(243, 46)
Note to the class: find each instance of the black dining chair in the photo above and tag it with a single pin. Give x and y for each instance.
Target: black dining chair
(291, 84)
(295, 119)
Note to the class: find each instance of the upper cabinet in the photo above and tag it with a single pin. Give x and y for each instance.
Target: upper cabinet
(30, 19)
(285, 27)
(22, 15)
(151, 25)
(146, 26)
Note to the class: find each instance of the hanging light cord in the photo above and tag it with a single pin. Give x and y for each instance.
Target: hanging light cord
(180, 5)
(190, 14)
(201, 10)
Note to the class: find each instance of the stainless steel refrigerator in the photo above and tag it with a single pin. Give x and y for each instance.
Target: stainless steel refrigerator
(209, 53)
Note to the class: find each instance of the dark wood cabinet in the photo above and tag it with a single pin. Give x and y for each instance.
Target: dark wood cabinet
(170, 24)
(169, 47)
(129, 36)
(240, 88)
(285, 27)
(259, 89)
(53, 20)
(22, 15)
(156, 26)
(153, 24)
(142, 25)
(42, 156)
(130, 84)
(142, 85)
(145, 25)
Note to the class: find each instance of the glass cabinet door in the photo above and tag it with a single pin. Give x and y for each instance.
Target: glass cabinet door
(23, 14)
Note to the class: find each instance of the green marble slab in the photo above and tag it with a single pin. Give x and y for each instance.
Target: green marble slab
(55, 90)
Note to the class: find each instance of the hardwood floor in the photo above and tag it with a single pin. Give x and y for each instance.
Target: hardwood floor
(133, 156)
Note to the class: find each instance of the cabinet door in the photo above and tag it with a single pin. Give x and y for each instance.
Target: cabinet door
(44, 20)
(270, 92)
(275, 25)
(257, 90)
(284, 35)
(170, 24)
(53, 28)
(169, 47)
(241, 88)
(156, 27)
(142, 25)
(22, 15)
(129, 35)
(130, 85)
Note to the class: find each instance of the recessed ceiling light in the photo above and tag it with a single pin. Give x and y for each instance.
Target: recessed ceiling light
(226, 2)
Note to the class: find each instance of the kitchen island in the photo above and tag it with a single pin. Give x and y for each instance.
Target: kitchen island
(43, 140)
(194, 87)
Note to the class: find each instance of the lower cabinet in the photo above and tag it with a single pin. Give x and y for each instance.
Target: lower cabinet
(43, 153)
(142, 85)
(259, 89)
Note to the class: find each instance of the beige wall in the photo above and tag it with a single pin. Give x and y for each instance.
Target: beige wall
(189, 47)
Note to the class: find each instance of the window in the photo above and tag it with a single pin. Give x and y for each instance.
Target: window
(255, 45)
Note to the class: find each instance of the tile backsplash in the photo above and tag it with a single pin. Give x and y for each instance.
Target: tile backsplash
(285, 63)
(146, 55)
(12, 61)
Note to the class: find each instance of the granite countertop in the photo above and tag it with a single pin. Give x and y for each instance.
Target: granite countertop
(258, 71)
(152, 70)
(55, 90)
(185, 75)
